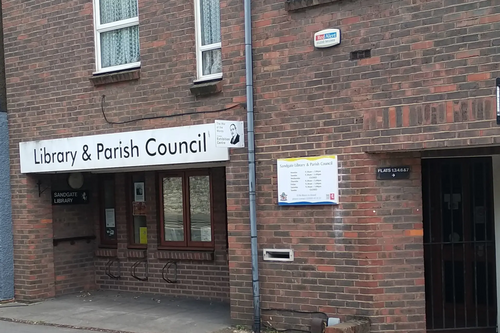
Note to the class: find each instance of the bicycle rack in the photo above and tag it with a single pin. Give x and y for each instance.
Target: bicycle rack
(134, 266)
(108, 268)
(165, 270)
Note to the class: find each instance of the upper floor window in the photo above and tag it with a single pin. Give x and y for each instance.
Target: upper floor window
(116, 24)
(208, 40)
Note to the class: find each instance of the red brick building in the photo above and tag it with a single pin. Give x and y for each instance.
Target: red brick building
(406, 102)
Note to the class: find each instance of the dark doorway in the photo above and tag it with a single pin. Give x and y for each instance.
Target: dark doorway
(459, 245)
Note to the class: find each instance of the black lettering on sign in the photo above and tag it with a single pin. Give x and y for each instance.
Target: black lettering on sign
(393, 172)
(70, 197)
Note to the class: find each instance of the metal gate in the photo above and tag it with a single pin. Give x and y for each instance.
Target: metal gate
(459, 247)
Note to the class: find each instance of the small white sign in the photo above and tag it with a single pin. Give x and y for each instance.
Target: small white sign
(139, 191)
(308, 181)
(174, 145)
(110, 217)
(327, 38)
(229, 134)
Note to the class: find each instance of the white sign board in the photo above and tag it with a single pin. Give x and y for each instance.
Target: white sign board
(327, 38)
(498, 100)
(308, 181)
(175, 145)
(229, 134)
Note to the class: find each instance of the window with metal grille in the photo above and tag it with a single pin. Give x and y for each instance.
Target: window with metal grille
(361, 54)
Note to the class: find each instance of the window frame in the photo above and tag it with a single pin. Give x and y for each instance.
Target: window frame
(100, 28)
(202, 48)
(104, 242)
(187, 243)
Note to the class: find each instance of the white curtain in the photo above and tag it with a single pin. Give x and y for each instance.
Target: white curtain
(210, 34)
(119, 46)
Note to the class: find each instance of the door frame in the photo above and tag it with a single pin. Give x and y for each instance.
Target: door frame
(495, 164)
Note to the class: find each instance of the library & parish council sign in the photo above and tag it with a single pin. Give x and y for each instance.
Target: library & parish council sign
(308, 180)
(174, 145)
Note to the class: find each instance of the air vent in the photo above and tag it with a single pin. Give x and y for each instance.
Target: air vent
(361, 54)
(278, 255)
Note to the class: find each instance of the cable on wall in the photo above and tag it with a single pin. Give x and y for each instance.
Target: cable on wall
(161, 117)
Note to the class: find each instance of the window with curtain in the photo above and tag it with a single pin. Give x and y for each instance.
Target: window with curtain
(116, 34)
(208, 39)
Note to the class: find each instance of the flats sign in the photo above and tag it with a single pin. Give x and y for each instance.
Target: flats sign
(175, 145)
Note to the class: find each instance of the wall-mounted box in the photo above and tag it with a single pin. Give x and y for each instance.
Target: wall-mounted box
(327, 38)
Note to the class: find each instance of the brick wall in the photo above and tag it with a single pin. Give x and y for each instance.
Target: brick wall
(199, 277)
(428, 84)
(74, 260)
(362, 258)
(49, 63)
(34, 277)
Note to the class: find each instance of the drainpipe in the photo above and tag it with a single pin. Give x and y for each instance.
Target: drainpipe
(6, 243)
(251, 164)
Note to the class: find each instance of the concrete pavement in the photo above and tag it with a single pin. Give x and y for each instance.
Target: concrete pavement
(9, 327)
(112, 311)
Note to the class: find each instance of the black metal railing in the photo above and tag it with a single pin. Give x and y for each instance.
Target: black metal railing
(109, 265)
(169, 266)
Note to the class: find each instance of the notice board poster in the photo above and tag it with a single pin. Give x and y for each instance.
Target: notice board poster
(308, 180)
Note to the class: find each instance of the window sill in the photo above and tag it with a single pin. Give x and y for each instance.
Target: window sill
(291, 5)
(106, 253)
(206, 88)
(136, 253)
(185, 255)
(99, 80)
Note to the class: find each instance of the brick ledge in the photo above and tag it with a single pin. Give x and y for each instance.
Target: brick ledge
(351, 326)
(412, 143)
(99, 80)
(106, 253)
(185, 255)
(136, 253)
(206, 88)
(291, 5)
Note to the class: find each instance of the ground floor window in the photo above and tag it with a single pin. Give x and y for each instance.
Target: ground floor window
(186, 209)
(137, 230)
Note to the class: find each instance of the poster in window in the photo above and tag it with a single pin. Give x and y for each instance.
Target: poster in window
(110, 217)
(143, 235)
(139, 191)
(138, 208)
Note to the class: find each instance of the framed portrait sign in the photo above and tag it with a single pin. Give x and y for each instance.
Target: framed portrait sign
(139, 191)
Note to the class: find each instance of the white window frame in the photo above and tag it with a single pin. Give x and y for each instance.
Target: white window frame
(201, 48)
(100, 28)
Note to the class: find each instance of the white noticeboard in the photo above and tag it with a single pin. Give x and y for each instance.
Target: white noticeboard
(110, 217)
(308, 181)
(229, 134)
